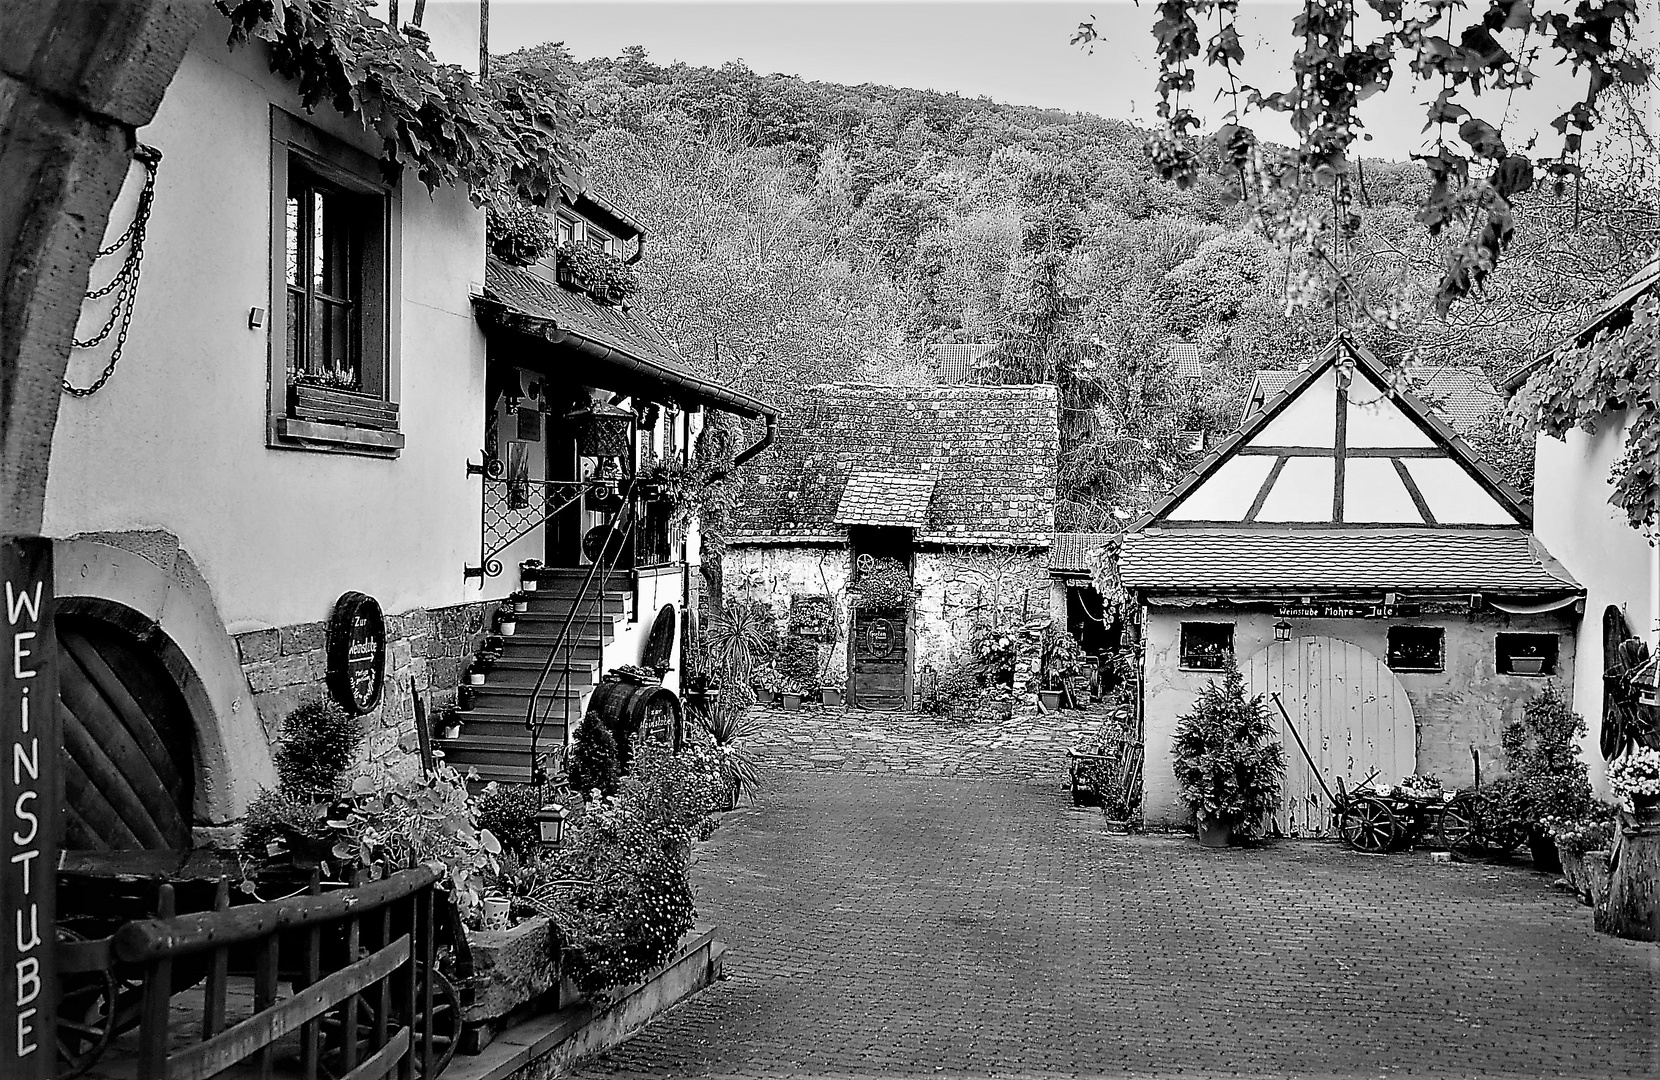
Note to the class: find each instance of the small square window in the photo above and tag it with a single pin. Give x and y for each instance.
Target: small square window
(1526, 654)
(1206, 646)
(1417, 648)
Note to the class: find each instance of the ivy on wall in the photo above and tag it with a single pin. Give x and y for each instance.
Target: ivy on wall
(513, 131)
(1618, 370)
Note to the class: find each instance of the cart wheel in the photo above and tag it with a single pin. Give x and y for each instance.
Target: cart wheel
(1370, 826)
(444, 1019)
(85, 1003)
(1456, 829)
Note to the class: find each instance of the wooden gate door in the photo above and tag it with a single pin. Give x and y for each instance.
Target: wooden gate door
(879, 660)
(1353, 716)
(129, 742)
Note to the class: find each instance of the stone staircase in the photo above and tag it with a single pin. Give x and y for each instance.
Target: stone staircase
(494, 739)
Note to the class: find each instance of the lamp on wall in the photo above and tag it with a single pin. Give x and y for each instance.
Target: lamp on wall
(1282, 631)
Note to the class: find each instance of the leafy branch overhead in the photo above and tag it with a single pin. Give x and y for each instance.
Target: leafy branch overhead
(1455, 49)
(513, 130)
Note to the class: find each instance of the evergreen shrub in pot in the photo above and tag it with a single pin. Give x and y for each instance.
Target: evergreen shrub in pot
(1228, 760)
(1541, 751)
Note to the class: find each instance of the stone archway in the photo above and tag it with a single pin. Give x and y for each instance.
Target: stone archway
(77, 78)
(149, 585)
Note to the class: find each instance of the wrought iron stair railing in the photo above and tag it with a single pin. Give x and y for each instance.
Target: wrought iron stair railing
(511, 509)
(616, 541)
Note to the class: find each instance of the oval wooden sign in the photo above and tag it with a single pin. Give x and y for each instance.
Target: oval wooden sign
(357, 652)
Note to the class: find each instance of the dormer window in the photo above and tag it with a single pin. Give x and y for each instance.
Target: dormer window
(565, 230)
(598, 241)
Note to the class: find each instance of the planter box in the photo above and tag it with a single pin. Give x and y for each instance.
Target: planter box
(327, 405)
(792, 702)
(511, 968)
(831, 696)
(1050, 700)
(1527, 665)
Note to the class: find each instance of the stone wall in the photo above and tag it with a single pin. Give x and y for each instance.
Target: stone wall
(776, 572)
(960, 587)
(288, 666)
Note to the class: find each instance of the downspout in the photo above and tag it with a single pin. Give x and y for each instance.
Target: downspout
(639, 249)
(766, 440)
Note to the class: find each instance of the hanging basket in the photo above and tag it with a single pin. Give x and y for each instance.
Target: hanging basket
(603, 431)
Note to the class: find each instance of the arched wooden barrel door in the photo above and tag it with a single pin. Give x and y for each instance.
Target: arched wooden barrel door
(1353, 716)
(129, 742)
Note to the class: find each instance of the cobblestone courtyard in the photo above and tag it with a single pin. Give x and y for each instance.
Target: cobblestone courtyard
(977, 925)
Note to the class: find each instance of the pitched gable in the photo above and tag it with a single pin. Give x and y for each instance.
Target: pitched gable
(1338, 446)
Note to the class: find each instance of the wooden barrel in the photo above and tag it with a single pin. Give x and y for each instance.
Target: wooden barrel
(627, 708)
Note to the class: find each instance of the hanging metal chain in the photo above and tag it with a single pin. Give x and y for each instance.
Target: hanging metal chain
(125, 282)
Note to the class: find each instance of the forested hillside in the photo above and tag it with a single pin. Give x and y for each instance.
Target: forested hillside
(804, 231)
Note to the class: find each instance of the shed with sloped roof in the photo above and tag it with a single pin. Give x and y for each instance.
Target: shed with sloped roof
(1366, 571)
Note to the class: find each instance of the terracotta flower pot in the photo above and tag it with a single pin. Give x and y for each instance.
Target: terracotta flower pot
(1050, 699)
(831, 696)
(792, 702)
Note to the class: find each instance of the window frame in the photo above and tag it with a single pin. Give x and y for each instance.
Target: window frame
(1184, 658)
(1502, 657)
(1440, 664)
(335, 164)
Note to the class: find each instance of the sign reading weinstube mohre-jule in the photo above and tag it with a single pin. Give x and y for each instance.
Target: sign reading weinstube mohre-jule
(29, 810)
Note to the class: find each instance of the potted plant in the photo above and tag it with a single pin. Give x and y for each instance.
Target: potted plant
(506, 624)
(884, 587)
(1574, 837)
(790, 691)
(465, 695)
(527, 574)
(1228, 760)
(521, 603)
(449, 725)
(766, 683)
(1635, 781)
(832, 689)
(1541, 751)
(1062, 659)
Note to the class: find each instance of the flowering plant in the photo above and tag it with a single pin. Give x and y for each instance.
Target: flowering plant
(1637, 774)
(1420, 786)
(886, 585)
(1579, 835)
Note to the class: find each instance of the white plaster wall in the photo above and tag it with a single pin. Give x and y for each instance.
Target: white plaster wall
(956, 589)
(176, 440)
(775, 572)
(1468, 703)
(666, 586)
(1616, 564)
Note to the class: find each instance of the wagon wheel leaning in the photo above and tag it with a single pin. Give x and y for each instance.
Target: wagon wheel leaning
(86, 1001)
(444, 1019)
(1370, 826)
(1455, 830)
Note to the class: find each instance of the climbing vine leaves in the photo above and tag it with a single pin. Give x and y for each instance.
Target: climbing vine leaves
(1617, 370)
(513, 130)
(1347, 51)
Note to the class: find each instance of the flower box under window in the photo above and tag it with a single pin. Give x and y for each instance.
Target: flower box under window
(332, 405)
(1206, 646)
(1416, 648)
(1526, 654)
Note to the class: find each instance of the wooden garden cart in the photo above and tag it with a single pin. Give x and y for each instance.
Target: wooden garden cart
(1379, 821)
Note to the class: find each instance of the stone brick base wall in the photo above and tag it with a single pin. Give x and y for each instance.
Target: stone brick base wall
(288, 666)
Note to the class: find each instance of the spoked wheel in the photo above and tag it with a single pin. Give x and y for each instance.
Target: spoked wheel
(1369, 826)
(444, 1020)
(1456, 829)
(86, 1003)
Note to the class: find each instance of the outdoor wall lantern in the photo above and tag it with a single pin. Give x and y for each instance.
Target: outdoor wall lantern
(1282, 631)
(550, 822)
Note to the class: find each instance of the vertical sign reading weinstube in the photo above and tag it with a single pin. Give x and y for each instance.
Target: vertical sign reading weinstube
(29, 810)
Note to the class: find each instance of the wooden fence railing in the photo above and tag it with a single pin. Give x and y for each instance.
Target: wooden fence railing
(352, 958)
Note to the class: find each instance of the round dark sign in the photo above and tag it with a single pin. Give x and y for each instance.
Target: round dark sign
(357, 652)
(881, 637)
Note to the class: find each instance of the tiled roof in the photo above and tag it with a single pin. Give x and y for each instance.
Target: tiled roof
(1185, 362)
(955, 364)
(1462, 396)
(1075, 552)
(881, 497)
(1508, 561)
(990, 451)
(517, 298)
